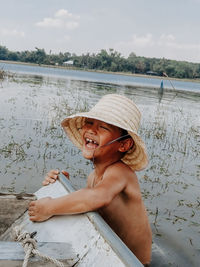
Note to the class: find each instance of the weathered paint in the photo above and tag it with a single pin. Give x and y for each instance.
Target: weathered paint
(91, 240)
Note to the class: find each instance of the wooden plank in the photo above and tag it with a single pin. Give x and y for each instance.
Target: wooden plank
(11, 209)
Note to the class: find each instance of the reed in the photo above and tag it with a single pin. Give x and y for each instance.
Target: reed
(5, 74)
(2, 74)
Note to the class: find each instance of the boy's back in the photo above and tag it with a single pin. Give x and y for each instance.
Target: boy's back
(124, 210)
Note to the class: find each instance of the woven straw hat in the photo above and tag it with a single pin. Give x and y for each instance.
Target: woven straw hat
(117, 110)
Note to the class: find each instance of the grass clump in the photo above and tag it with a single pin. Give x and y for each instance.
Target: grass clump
(5, 74)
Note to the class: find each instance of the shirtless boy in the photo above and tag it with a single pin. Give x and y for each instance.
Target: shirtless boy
(107, 135)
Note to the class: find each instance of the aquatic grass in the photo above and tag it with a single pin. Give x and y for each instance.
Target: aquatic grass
(63, 108)
(15, 149)
(2, 74)
(170, 183)
(6, 75)
(172, 142)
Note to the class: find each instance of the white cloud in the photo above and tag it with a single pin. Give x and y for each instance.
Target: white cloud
(61, 19)
(11, 32)
(167, 38)
(63, 13)
(143, 41)
(135, 42)
(65, 39)
(177, 50)
(49, 22)
(165, 45)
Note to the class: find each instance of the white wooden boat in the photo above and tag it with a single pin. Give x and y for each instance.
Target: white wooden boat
(76, 240)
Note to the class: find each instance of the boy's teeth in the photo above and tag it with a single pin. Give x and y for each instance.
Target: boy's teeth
(91, 141)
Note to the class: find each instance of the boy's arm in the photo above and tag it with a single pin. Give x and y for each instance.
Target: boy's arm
(83, 200)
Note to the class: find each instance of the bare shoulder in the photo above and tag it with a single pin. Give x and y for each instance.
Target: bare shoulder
(123, 173)
(121, 170)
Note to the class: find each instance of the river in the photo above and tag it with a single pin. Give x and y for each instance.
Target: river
(34, 101)
(101, 77)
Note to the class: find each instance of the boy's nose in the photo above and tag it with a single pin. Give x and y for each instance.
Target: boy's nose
(92, 129)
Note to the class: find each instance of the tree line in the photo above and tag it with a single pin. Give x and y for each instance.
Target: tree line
(110, 60)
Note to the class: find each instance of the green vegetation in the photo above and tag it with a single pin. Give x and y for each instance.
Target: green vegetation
(107, 61)
(5, 74)
(2, 75)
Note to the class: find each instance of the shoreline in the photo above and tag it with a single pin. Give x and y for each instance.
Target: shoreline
(100, 71)
(151, 88)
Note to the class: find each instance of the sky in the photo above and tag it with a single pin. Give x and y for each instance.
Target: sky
(150, 28)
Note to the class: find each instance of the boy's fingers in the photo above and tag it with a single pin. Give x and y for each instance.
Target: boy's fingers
(49, 180)
(32, 218)
(30, 212)
(52, 173)
(52, 180)
(50, 177)
(31, 204)
(45, 182)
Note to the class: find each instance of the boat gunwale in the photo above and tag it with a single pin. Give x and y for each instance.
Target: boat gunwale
(118, 246)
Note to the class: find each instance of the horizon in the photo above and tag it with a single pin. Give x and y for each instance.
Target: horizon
(153, 29)
(90, 54)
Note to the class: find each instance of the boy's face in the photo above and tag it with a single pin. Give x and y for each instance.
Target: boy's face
(96, 134)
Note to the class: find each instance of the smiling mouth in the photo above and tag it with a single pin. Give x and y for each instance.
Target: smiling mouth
(91, 143)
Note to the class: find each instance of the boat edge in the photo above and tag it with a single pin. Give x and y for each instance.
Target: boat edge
(118, 246)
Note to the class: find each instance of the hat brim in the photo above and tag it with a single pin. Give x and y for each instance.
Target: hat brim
(136, 158)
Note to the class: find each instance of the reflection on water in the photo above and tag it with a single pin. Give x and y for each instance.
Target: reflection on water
(32, 142)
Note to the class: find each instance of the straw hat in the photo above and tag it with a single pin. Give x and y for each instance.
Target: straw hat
(117, 110)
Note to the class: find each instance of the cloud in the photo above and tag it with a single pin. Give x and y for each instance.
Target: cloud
(164, 45)
(167, 38)
(11, 32)
(171, 48)
(63, 13)
(137, 41)
(61, 19)
(65, 39)
(144, 41)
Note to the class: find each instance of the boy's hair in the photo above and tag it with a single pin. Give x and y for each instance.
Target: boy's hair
(119, 111)
(126, 136)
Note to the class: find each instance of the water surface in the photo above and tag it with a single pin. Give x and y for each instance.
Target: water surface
(101, 77)
(33, 142)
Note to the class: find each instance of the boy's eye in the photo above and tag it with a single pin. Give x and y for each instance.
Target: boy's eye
(88, 122)
(104, 127)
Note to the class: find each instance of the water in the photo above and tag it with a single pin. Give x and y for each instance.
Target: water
(32, 142)
(100, 77)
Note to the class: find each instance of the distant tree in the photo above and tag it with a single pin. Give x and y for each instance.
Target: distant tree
(105, 59)
(39, 56)
(131, 62)
(110, 60)
(3, 53)
(14, 56)
(170, 69)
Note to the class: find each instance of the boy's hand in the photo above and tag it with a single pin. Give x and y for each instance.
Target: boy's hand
(39, 209)
(52, 176)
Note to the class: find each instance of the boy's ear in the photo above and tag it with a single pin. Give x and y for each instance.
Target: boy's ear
(126, 144)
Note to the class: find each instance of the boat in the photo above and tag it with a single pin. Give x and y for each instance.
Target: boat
(74, 240)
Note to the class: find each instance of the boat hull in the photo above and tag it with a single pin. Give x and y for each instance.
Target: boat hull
(89, 240)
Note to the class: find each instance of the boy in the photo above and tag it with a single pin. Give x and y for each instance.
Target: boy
(107, 135)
